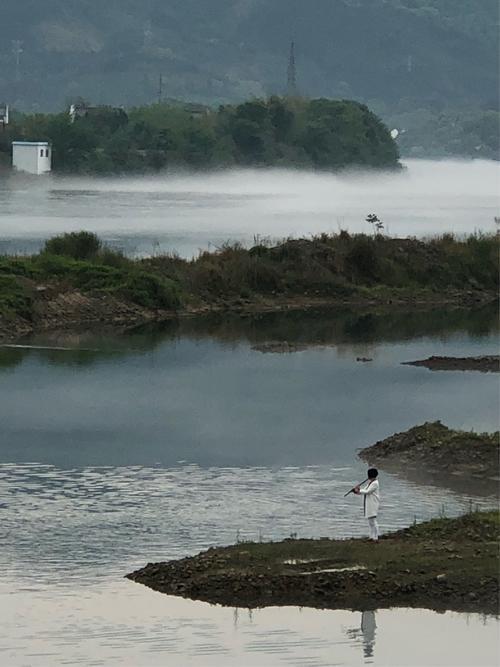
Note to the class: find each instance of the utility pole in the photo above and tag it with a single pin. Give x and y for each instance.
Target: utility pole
(291, 86)
(16, 51)
(160, 89)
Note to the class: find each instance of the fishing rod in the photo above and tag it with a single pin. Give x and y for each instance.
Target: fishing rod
(354, 487)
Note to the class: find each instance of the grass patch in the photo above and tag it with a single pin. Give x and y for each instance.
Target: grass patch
(128, 281)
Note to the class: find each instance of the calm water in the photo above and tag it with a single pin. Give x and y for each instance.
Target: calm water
(155, 445)
(184, 213)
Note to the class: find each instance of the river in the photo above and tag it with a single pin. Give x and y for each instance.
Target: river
(185, 213)
(121, 450)
(125, 450)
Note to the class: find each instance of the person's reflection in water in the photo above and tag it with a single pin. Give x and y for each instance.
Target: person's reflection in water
(366, 634)
(368, 628)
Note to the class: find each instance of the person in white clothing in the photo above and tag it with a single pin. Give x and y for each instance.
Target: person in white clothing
(371, 501)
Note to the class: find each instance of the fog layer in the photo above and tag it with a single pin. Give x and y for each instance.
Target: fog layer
(188, 212)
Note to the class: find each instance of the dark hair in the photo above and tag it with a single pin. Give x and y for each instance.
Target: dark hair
(372, 473)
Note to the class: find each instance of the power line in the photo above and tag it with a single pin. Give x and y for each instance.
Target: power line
(17, 49)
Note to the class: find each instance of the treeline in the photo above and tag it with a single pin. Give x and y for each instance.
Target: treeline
(322, 133)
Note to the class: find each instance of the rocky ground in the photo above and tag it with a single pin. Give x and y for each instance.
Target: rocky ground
(486, 364)
(441, 564)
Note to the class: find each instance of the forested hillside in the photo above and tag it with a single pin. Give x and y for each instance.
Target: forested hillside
(432, 51)
(397, 56)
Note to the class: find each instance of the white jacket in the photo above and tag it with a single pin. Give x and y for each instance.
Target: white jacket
(371, 498)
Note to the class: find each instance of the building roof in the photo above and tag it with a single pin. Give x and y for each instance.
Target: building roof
(30, 143)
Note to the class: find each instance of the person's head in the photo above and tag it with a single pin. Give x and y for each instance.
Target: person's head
(372, 473)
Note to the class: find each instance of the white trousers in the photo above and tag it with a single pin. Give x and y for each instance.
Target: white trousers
(373, 525)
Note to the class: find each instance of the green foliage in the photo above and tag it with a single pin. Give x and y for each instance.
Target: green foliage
(78, 245)
(321, 133)
(337, 266)
(73, 144)
(150, 291)
(105, 273)
(131, 283)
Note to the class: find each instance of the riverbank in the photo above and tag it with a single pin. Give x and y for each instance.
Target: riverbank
(441, 564)
(76, 282)
(434, 453)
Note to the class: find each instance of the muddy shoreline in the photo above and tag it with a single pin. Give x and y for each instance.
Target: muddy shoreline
(74, 311)
(445, 564)
(486, 364)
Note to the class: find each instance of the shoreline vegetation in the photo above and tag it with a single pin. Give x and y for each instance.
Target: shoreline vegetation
(443, 564)
(281, 132)
(76, 282)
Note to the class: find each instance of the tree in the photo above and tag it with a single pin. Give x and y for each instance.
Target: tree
(72, 143)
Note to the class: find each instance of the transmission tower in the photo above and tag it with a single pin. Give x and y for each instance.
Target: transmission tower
(291, 86)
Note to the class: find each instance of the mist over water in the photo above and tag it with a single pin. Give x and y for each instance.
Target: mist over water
(189, 212)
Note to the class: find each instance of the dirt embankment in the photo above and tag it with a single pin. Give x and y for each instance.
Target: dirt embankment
(73, 310)
(441, 564)
(434, 453)
(486, 364)
(62, 308)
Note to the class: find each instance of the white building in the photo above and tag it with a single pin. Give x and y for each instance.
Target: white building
(32, 157)
(4, 115)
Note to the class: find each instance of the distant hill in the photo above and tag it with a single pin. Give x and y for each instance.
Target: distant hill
(402, 53)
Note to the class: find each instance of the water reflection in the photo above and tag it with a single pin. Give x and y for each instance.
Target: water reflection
(158, 397)
(120, 623)
(351, 332)
(367, 633)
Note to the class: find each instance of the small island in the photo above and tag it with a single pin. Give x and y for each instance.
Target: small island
(434, 445)
(443, 564)
(275, 132)
(434, 454)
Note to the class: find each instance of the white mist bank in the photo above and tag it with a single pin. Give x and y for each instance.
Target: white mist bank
(188, 212)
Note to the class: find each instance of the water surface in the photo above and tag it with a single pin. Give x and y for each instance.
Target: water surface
(126, 450)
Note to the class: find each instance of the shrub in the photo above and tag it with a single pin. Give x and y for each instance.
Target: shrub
(14, 298)
(114, 258)
(78, 245)
(150, 291)
(362, 257)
